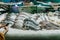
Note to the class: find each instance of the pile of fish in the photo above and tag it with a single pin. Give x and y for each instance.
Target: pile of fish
(27, 21)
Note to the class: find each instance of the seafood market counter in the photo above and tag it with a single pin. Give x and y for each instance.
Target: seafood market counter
(17, 34)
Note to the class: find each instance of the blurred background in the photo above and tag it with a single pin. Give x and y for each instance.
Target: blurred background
(31, 19)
